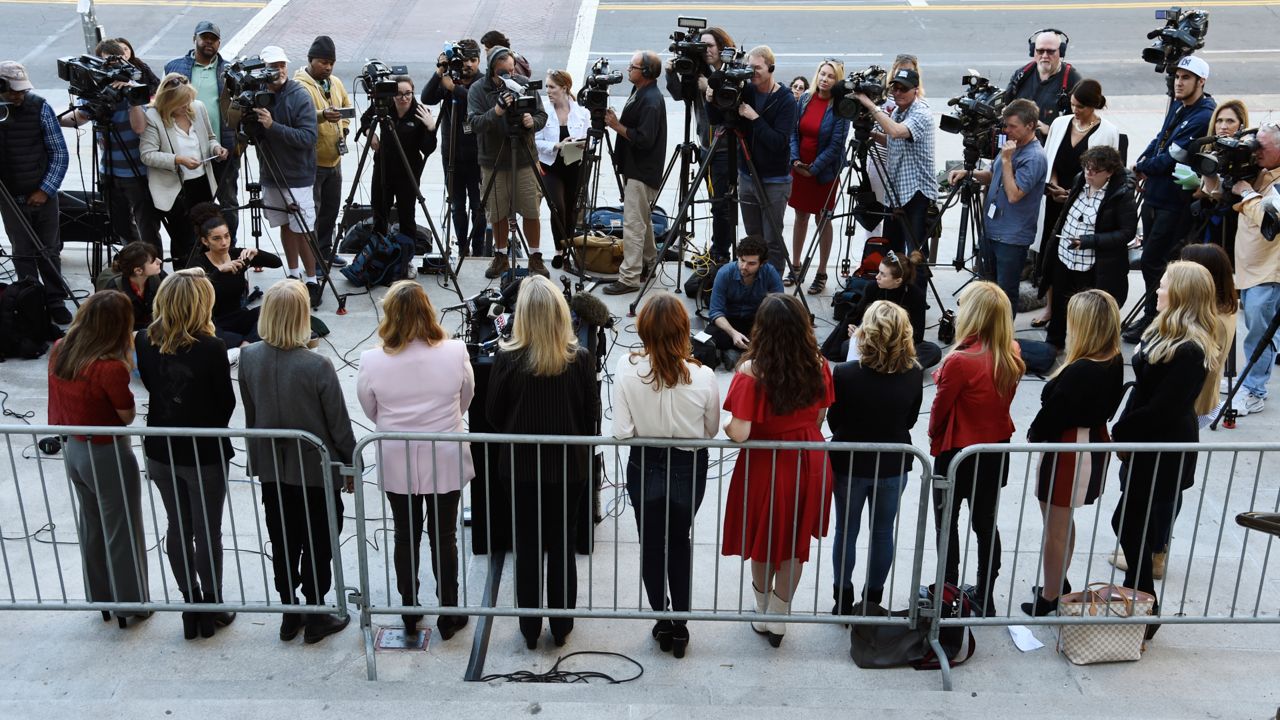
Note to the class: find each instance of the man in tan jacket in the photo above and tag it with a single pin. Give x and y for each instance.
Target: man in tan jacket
(328, 95)
(1258, 267)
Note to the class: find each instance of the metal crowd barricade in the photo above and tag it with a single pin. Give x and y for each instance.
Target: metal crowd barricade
(1215, 572)
(609, 576)
(45, 524)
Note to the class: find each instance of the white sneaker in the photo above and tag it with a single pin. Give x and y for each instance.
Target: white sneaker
(233, 356)
(1253, 404)
(1224, 386)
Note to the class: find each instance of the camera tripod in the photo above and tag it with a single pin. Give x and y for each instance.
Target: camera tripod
(387, 131)
(968, 193)
(44, 257)
(589, 191)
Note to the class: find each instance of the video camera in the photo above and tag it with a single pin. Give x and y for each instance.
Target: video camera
(686, 43)
(379, 83)
(248, 81)
(728, 83)
(519, 99)
(91, 79)
(869, 82)
(594, 95)
(1183, 33)
(1271, 217)
(1230, 158)
(455, 57)
(977, 118)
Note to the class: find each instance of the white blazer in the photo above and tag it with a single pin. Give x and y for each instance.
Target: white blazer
(1106, 134)
(156, 146)
(549, 135)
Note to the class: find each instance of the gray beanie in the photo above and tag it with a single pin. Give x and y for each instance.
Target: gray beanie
(496, 53)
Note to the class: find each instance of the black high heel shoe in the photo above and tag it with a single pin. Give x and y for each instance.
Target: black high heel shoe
(560, 640)
(679, 640)
(190, 625)
(1040, 607)
(662, 632)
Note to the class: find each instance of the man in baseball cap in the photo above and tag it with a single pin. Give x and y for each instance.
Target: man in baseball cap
(33, 161)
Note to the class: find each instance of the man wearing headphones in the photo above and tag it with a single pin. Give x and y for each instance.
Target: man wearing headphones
(640, 157)
(1047, 80)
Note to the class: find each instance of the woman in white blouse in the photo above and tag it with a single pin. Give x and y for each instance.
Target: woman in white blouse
(662, 392)
(178, 148)
(567, 124)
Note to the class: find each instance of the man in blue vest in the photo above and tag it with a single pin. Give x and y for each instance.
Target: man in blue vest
(33, 161)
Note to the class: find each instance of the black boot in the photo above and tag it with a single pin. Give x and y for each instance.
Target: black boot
(844, 598)
(320, 627)
(290, 623)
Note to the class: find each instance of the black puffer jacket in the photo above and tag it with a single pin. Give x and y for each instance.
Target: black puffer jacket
(1115, 227)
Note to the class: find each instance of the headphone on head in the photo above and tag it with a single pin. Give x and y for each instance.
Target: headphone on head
(1062, 50)
(650, 66)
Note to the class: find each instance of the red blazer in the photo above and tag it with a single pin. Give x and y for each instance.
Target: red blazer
(967, 409)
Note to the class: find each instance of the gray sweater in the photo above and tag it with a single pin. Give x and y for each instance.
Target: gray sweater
(295, 389)
(490, 128)
(291, 139)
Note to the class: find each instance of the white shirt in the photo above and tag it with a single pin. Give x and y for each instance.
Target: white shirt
(684, 411)
(545, 140)
(186, 143)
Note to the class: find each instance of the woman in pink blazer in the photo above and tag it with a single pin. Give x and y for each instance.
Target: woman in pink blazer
(418, 380)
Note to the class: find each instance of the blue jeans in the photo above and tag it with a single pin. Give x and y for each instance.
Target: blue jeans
(1002, 263)
(1260, 304)
(851, 494)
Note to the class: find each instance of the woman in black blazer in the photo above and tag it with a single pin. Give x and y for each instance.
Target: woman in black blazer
(1105, 239)
(1175, 361)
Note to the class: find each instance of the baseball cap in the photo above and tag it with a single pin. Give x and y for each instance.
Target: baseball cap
(273, 54)
(1194, 65)
(206, 26)
(14, 74)
(906, 76)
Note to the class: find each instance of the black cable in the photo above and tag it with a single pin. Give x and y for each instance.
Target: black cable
(24, 417)
(556, 675)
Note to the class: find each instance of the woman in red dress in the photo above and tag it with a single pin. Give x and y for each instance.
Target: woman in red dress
(817, 156)
(780, 499)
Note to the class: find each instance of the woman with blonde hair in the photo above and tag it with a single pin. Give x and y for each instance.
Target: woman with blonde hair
(285, 386)
(975, 387)
(1075, 406)
(186, 372)
(661, 391)
(1176, 361)
(877, 399)
(89, 385)
(423, 481)
(178, 148)
(817, 156)
(543, 383)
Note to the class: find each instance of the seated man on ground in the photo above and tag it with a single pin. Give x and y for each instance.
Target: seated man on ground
(739, 289)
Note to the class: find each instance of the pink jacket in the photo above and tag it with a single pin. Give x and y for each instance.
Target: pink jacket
(422, 388)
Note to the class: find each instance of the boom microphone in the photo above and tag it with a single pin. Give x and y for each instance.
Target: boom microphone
(591, 310)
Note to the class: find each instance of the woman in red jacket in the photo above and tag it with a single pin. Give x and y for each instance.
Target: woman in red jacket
(975, 386)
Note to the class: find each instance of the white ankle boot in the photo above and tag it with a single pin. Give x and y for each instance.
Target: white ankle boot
(762, 605)
(776, 630)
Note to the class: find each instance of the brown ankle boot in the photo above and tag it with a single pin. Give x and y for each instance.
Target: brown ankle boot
(537, 266)
(497, 266)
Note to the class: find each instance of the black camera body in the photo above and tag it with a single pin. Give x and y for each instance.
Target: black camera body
(977, 118)
(594, 95)
(869, 82)
(248, 81)
(91, 79)
(686, 43)
(728, 83)
(1230, 158)
(378, 80)
(455, 57)
(1183, 33)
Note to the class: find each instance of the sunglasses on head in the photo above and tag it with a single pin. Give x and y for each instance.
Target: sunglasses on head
(175, 82)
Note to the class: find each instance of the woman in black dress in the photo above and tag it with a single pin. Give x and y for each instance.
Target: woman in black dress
(225, 266)
(543, 383)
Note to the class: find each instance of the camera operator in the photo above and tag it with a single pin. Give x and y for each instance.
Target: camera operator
(722, 210)
(1047, 80)
(1219, 219)
(908, 136)
(327, 94)
(416, 129)
(121, 172)
(33, 161)
(1258, 265)
(1166, 207)
(204, 67)
(641, 154)
(458, 144)
(289, 138)
(1015, 189)
(768, 114)
(488, 102)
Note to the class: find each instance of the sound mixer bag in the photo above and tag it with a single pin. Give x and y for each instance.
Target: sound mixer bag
(600, 253)
(381, 261)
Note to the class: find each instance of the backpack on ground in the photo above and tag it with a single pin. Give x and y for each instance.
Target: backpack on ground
(699, 284)
(381, 261)
(25, 326)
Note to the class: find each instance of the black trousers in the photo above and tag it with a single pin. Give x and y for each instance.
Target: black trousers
(328, 198)
(227, 174)
(440, 512)
(193, 498)
(905, 232)
(721, 338)
(405, 194)
(666, 492)
(724, 213)
(1065, 283)
(1143, 519)
(301, 547)
(1162, 230)
(978, 482)
(177, 220)
(468, 212)
(563, 184)
(133, 214)
(546, 519)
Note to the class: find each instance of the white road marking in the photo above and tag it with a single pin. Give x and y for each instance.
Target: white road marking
(35, 51)
(146, 47)
(583, 30)
(235, 45)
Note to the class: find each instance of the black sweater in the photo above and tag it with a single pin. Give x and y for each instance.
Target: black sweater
(229, 287)
(1161, 408)
(191, 388)
(909, 297)
(418, 143)
(768, 137)
(1084, 394)
(452, 115)
(873, 407)
(141, 304)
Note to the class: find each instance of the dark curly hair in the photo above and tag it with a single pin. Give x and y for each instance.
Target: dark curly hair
(784, 355)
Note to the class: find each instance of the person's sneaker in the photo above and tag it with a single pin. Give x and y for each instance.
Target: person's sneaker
(497, 266)
(233, 356)
(537, 266)
(59, 314)
(337, 261)
(619, 288)
(1134, 334)
(317, 295)
(1252, 404)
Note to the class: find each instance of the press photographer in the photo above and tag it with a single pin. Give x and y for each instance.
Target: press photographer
(699, 60)
(765, 118)
(280, 118)
(1015, 189)
(641, 154)
(504, 122)
(1212, 207)
(1166, 206)
(1047, 80)
(456, 70)
(108, 94)
(330, 99)
(33, 161)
